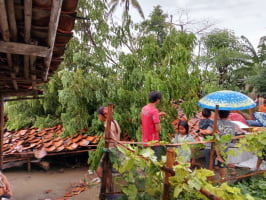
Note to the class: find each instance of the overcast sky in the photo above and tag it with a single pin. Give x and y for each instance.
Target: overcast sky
(244, 17)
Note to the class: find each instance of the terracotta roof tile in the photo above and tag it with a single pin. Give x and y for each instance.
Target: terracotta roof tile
(41, 142)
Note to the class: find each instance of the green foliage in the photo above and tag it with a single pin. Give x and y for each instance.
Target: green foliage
(143, 178)
(259, 81)
(22, 114)
(254, 142)
(95, 156)
(254, 186)
(38, 112)
(223, 54)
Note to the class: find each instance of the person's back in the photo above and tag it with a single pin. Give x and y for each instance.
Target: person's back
(205, 122)
(149, 117)
(150, 121)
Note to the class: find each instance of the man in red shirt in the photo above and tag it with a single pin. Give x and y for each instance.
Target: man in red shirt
(150, 120)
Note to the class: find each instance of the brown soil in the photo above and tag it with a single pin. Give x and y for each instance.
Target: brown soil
(50, 185)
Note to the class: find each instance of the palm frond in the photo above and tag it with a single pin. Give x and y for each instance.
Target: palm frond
(136, 5)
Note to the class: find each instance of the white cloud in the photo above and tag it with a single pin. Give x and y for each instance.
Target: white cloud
(244, 17)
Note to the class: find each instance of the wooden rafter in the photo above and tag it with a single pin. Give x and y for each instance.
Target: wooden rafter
(33, 68)
(24, 49)
(12, 20)
(22, 80)
(6, 37)
(20, 92)
(27, 33)
(53, 24)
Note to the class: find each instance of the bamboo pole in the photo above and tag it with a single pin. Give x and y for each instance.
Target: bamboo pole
(2, 124)
(170, 158)
(106, 183)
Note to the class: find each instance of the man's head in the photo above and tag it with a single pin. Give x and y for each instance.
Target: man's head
(154, 96)
(102, 113)
(223, 114)
(206, 112)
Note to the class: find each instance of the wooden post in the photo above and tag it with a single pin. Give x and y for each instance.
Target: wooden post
(212, 144)
(106, 184)
(28, 164)
(2, 124)
(170, 159)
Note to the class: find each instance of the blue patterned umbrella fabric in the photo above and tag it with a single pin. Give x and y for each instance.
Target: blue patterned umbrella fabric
(227, 100)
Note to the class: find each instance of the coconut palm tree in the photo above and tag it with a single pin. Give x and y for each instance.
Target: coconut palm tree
(114, 3)
(254, 59)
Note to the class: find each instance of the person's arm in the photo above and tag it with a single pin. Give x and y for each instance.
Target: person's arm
(162, 114)
(7, 185)
(206, 131)
(157, 127)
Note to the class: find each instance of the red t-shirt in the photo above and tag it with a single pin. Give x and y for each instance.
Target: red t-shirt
(237, 117)
(149, 117)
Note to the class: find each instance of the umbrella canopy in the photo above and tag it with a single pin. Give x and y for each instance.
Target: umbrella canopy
(227, 100)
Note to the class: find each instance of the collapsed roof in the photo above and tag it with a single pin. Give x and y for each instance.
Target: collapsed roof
(33, 37)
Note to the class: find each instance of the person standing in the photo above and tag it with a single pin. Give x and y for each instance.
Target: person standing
(150, 120)
(114, 135)
(182, 136)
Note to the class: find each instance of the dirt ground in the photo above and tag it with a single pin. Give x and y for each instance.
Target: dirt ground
(50, 185)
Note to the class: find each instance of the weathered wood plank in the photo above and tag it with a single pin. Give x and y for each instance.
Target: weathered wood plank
(15, 84)
(20, 92)
(12, 20)
(53, 24)
(24, 49)
(27, 33)
(26, 66)
(33, 68)
(6, 37)
(27, 19)
(4, 22)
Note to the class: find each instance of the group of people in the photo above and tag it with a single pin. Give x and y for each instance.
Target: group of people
(150, 123)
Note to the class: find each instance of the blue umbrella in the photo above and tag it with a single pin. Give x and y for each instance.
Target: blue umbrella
(227, 100)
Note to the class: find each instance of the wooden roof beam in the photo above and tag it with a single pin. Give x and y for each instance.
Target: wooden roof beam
(24, 49)
(33, 68)
(27, 33)
(6, 37)
(12, 20)
(4, 22)
(21, 80)
(53, 24)
(20, 92)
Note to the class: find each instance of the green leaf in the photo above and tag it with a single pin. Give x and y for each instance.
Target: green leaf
(177, 191)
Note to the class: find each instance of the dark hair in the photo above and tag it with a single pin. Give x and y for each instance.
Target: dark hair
(224, 114)
(183, 123)
(206, 112)
(154, 95)
(100, 111)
